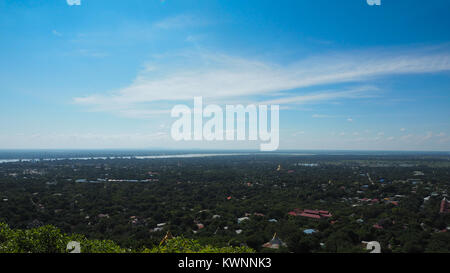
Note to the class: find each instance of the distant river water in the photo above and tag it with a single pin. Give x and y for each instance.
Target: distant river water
(142, 157)
(117, 157)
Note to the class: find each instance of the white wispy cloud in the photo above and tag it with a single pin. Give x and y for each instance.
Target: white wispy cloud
(56, 33)
(406, 137)
(323, 116)
(223, 77)
(321, 96)
(299, 133)
(85, 140)
(428, 136)
(73, 2)
(91, 53)
(181, 21)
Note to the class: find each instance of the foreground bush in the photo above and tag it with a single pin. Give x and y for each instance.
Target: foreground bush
(49, 239)
(184, 245)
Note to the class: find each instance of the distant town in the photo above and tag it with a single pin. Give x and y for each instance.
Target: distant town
(283, 202)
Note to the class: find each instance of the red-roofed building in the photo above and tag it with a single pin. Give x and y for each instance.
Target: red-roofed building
(445, 208)
(309, 215)
(315, 214)
(311, 211)
(377, 226)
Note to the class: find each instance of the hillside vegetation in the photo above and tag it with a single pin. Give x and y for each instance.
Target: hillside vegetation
(49, 239)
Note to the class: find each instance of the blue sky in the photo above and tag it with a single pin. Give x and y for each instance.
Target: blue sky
(105, 74)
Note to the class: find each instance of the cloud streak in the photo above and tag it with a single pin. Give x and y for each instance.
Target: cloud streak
(73, 2)
(223, 77)
(180, 21)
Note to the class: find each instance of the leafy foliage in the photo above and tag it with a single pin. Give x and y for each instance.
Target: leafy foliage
(185, 245)
(49, 239)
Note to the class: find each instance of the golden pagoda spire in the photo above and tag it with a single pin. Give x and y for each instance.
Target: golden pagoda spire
(167, 237)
